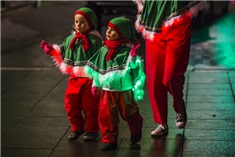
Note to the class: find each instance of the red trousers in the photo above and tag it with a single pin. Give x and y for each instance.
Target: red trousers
(78, 99)
(110, 104)
(166, 62)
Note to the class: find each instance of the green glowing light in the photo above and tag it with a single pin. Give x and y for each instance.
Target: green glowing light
(135, 66)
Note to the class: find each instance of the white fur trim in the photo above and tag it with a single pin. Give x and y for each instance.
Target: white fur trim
(70, 70)
(139, 5)
(65, 69)
(171, 21)
(57, 56)
(145, 33)
(56, 47)
(92, 32)
(79, 71)
(150, 34)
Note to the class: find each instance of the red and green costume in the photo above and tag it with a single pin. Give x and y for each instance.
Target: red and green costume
(72, 62)
(166, 26)
(121, 73)
(121, 78)
(71, 58)
(154, 16)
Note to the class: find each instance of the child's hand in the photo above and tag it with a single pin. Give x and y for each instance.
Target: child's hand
(46, 47)
(95, 91)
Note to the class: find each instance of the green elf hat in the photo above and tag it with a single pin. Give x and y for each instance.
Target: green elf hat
(90, 16)
(123, 27)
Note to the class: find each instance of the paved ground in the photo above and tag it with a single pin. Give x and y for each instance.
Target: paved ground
(33, 120)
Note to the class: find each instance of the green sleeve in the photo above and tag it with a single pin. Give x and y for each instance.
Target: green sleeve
(138, 77)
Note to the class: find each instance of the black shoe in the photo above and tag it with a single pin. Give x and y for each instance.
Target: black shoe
(136, 138)
(90, 136)
(74, 135)
(108, 146)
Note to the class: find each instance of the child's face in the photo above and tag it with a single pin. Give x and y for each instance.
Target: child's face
(111, 34)
(80, 24)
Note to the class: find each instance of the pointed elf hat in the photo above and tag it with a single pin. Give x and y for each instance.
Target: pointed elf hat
(123, 27)
(90, 16)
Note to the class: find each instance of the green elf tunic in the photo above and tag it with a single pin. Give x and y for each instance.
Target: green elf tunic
(121, 73)
(74, 61)
(164, 12)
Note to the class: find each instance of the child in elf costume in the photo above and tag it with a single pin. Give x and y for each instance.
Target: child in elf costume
(166, 27)
(71, 58)
(118, 80)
